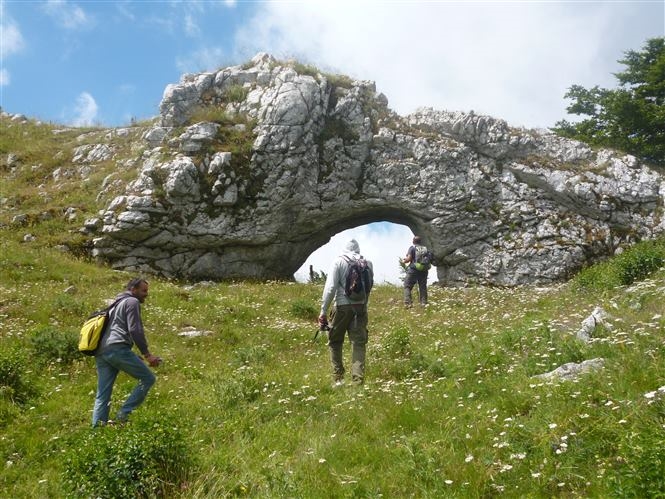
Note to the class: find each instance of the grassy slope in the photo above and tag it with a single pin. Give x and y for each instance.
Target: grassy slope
(450, 408)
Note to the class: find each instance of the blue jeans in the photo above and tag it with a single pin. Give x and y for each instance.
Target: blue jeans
(109, 364)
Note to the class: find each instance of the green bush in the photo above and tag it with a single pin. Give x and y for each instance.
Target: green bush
(236, 93)
(397, 343)
(421, 362)
(640, 472)
(8, 410)
(14, 386)
(600, 276)
(51, 345)
(640, 261)
(304, 309)
(147, 458)
(634, 264)
(242, 386)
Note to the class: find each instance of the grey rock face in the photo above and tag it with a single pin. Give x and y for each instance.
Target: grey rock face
(285, 157)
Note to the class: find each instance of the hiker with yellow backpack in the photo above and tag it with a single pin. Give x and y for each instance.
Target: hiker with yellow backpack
(417, 263)
(115, 354)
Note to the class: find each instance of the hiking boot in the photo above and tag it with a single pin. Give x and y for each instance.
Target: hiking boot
(121, 420)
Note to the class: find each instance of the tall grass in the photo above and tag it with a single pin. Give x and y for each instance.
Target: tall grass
(451, 406)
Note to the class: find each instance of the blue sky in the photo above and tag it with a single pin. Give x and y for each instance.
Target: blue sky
(106, 62)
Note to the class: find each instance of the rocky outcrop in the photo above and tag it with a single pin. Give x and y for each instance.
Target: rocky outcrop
(252, 168)
(572, 370)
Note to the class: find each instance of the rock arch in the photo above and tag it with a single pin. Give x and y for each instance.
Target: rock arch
(254, 167)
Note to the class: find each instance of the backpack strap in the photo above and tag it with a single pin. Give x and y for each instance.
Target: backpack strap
(108, 309)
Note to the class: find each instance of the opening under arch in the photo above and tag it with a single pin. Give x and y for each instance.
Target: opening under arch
(381, 242)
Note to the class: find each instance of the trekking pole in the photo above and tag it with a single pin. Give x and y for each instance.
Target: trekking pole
(322, 327)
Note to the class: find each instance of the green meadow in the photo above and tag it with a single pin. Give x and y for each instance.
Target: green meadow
(452, 405)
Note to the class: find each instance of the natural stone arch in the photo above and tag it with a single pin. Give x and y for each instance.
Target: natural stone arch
(295, 157)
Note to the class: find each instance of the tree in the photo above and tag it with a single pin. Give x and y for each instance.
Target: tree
(631, 117)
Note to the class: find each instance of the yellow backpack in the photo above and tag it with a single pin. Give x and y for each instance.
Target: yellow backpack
(94, 328)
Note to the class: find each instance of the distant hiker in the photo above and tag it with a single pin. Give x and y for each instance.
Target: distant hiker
(418, 261)
(349, 282)
(115, 354)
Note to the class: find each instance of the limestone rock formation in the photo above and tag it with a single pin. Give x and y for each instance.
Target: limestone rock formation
(254, 167)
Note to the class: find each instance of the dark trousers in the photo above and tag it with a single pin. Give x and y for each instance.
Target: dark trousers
(414, 276)
(351, 319)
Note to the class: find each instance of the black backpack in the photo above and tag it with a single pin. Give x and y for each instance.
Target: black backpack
(358, 281)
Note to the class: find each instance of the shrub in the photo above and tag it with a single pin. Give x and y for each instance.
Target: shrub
(397, 343)
(8, 411)
(236, 93)
(640, 261)
(54, 346)
(14, 387)
(148, 458)
(305, 69)
(304, 309)
(256, 354)
(599, 276)
(339, 80)
(640, 472)
(421, 362)
(208, 114)
(230, 391)
(634, 264)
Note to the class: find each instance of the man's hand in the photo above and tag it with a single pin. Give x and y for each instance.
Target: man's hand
(323, 322)
(153, 360)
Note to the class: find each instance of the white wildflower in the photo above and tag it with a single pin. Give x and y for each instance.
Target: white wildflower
(506, 467)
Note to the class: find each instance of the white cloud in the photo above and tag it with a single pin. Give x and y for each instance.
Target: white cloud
(67, 15)
(10, 38)
(512, 60)
(205, 59)
(191, 27)
(125, 12)
(127, 89)
(11, 42)
(4, 77)
(85, 109)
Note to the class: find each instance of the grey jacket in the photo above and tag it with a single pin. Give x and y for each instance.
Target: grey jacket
(125, 325)
(334, 287)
